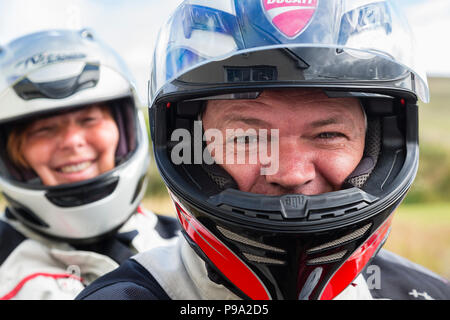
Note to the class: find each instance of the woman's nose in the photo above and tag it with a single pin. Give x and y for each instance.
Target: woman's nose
(72, 136)
(295, 166)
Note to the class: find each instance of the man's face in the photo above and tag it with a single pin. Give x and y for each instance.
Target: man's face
(321, 139)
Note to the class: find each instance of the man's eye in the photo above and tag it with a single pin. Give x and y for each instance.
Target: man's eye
(330, 135)
(246, 140)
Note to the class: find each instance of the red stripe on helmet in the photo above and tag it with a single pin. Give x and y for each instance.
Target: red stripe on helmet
(223, 258)
(356, 263)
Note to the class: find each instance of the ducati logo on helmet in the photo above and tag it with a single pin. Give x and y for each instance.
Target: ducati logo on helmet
(290, 17)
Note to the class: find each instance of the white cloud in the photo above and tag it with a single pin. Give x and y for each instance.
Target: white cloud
(430, 22)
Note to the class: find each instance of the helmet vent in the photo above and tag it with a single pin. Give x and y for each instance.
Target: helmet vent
(359, 180)
(220, 181)
(327, 259)
(349, 237)
(371, 152)
(264, 260)
(80, 195)
(220, 177)
(238, 238)
(59, 89)
(23, 213)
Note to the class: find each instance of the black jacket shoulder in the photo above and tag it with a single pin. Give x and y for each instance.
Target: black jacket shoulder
(10, 238)
(130, 281)
(390, 276)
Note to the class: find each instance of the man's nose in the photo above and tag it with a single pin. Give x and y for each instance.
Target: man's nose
(71, 136)
(295, 165)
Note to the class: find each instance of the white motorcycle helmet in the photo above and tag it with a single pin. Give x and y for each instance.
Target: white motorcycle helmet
(51, 72)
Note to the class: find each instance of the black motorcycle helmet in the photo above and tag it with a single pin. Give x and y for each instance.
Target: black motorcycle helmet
(292, 246)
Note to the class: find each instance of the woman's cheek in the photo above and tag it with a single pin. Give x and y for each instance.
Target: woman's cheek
(106, 139)
(37, 153)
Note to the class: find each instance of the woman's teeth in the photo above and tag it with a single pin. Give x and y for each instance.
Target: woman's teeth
(76, 167)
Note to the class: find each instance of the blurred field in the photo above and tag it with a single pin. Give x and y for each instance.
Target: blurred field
(421, 233)
(432, 183)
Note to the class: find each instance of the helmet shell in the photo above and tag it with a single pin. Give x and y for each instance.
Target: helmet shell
(50, 72)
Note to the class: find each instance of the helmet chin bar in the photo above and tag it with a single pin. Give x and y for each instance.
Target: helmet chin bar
(260, 271)
(294, 206)
(296, 246)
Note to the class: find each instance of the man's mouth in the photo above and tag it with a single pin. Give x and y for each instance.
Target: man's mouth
(75, 167)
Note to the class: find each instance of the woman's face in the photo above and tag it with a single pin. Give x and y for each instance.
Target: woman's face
(73, 146)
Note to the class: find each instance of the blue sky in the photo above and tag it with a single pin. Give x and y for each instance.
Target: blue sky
(131, 26)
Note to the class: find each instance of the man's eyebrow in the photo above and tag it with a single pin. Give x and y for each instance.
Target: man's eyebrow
(247, 120)
(332, 120)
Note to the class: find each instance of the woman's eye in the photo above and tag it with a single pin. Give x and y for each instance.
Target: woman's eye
(89, 120)
(42, 130)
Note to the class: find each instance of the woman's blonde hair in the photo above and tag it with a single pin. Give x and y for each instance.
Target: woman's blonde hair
(14, 146)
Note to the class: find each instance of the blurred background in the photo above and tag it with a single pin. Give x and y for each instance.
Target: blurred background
(421, 226)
